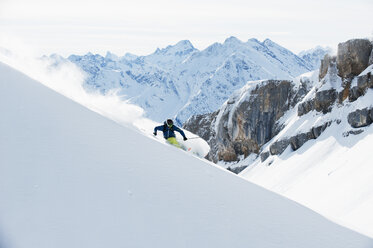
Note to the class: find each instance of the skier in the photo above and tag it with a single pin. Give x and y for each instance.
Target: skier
(168, 129)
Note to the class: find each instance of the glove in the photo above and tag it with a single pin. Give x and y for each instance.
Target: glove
(155, 134)
(185, 138)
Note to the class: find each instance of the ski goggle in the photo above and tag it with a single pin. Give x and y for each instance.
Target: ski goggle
(169, 123)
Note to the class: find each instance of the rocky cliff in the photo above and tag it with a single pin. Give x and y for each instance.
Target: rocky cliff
(248, 119)
(265, 117)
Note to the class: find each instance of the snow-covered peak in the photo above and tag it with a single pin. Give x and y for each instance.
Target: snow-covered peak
(253, 40)
(276, 48)
(316, 50)
(212, 49)
(170, 57)
(87, 57)
(268, 42)
(232, 40)
(111, 56)
(280, 53)
(129, 56)
(185, 45)
(314, 55)
(179, 49)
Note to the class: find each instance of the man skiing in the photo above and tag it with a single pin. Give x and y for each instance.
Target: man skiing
(168, 129)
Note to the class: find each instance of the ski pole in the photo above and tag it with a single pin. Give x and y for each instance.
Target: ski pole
(194, 138)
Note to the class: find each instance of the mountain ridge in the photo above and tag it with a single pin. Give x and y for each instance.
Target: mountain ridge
(181, 75)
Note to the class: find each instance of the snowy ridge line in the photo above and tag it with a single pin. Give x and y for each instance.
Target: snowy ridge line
(189, 80)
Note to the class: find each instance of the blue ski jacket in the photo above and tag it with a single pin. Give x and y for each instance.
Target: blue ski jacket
(169, 132)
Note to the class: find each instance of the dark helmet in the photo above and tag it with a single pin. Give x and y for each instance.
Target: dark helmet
(169, 122)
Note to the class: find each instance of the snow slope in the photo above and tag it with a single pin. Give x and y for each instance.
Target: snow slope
(70, 177)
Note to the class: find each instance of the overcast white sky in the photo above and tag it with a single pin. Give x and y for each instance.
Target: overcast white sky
(140, 26)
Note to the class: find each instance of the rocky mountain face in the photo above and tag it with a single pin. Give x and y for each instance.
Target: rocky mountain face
(265, 117)
(248, 119)
(180, 81)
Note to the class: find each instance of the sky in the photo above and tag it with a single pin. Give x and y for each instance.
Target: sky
(140, 27)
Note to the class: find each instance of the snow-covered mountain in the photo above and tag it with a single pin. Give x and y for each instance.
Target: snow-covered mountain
(70, 177)
(180, 81)
(314, 56)
(308, 138)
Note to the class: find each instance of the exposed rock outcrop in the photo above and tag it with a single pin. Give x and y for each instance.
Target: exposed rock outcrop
(317, 131)
(279, 147)
(298, 140)
(363, 83)
(322, 102)
(201, 125)
(247, 121)
(264, 156)
(353, 57)
(304, 87)
(327, 62)
(353, 132)
(360, 118)
(324, 97)
(305, 107)
(237, 169)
